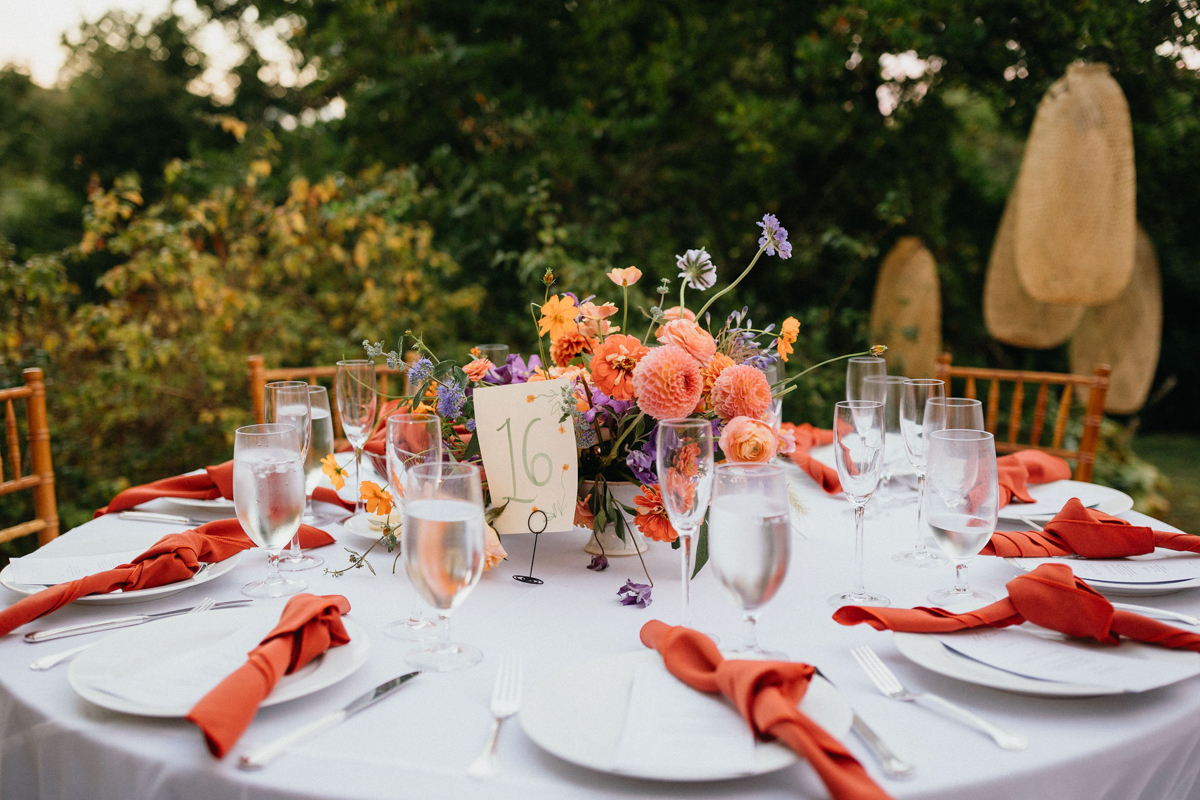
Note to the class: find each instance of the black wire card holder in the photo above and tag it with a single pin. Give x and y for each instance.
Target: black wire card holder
(544, 521)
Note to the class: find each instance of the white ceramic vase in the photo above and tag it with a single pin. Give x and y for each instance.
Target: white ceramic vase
(623, 492)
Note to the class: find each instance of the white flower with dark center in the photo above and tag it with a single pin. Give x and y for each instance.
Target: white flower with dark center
(696, 269)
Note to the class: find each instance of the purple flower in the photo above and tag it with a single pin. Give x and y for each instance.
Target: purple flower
(635, 594)
(514, 370)
(471, 425)
(641, 465)
(774, 237)
(605, 406)
(599, 564)
(696, 269)
(450, 400)
(420, 371)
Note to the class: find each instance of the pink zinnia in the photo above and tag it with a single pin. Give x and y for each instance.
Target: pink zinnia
(667, 383)
(741, 391)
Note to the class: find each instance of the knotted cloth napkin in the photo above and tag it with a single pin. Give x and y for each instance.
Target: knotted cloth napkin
(1089, 533)
(175, 557)
(766, 694)
(1017, 470)
(807, 437)
(1050, 596)
(214, 482)
(309, 626)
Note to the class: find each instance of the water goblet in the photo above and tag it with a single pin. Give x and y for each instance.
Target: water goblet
(320, 444)
(959, 413)
(749, 541)
(858, 369)
(775, 373)
(268, 495)
(962, 505)
(914, 416)
(858, 443)
(685, 474)
(496, 353)
(290, 403)
(891, 387)
(355, 383)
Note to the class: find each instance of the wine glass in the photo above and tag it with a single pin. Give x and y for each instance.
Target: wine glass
(959, 413)
(891, 387)
(962, 505)
(914, 415)
(290, 403)
(411, 439)
(320, 444)
(443, 550)
(749, 541)
(268, 495)
(496, 353)
(685, 473)
(355, 381)
(858, 369)
(774, 373)
(858, 441)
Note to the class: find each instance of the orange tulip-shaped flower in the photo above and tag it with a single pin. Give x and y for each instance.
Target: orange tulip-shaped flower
(625, 277)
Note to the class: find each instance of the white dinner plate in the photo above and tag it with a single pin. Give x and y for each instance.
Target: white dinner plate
(359, 526)
(137, 648)
(925, 649)
(119, 598)
(579, 713)
(1117, 589)
(1051, 497)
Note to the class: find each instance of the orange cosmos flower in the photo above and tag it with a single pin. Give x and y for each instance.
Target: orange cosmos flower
(652, 519)
(477, 369)
(613, 363)
(667, 383)
(337, 475)
(625, 277)
(741, 391)
(787, 335)
(558, 317)
(376, 498)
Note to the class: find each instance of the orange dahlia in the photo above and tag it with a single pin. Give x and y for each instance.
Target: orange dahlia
(652, 519)
(741, 391)
(569, 345)
(667, 383)
(613, 363)
(711, 371)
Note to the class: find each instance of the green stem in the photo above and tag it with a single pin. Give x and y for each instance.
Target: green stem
(625, 309)
(621, 438)
(541, 349)
(745, 272)
(794, 378)
(682, 286)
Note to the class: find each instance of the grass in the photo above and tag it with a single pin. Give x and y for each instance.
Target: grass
(1178, 457)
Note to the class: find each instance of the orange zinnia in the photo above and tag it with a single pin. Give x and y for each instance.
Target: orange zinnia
(787, 335)
(613, 363)
(652, 519)
(558, 317)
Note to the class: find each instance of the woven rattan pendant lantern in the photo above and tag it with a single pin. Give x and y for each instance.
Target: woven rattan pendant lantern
(1075, 217)
(906, 314)
(1126, 335)
(1010, 314)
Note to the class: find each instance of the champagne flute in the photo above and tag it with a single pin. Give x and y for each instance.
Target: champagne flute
(891, 387)
(858, 440)
(355, 382)
(858, 369)
(411, 439)
(443, 551)
(749, 541)
(958, 413)
(914, 415)
(685, 474)
(290, 403)
(962, 505)
(774, 373)
(268, 495)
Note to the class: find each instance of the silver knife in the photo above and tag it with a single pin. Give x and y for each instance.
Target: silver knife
(154, 516)
(119, 622)
(893, 766)
(265, 755)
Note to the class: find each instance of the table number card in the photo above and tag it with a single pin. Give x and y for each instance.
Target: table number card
(527, 440)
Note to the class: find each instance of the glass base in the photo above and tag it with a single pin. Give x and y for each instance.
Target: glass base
(858, 599)
(954, 599)
(302, 563)
(280, 588)
(416, 629)
(445, 659)
(921, 558)
(756, 654)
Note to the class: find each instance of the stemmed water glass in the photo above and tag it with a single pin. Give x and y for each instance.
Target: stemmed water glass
(411, 439)
(355, 382)
(443, 551)
(858, 443)
(775, 373)
(749, 541)
(319, 446)
(685, 475)
(959, 413)
(858, 370)
(290, 403)
(962, 505)
(914, 418)
(891, 387)
(268, 495)
(496, 353)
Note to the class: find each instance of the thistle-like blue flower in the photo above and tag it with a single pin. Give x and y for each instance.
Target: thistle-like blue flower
(696, 269)
(450, 400)
(420, 371)
(774, 237)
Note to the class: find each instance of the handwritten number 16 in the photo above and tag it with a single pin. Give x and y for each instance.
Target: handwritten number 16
(526, 462)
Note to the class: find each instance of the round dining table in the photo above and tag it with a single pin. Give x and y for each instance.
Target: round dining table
(419, 742)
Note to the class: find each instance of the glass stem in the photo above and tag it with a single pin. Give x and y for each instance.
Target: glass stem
(859, 513)
(443, 639)
(751, 631)
(960, 578)
(295, 554)
(416, 616)
(685, 559)
(920, 548)
(273, 568)
(359, 506)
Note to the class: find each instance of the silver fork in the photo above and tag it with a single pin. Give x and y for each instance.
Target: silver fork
(47, 662)
(506, 701)
(890, 685)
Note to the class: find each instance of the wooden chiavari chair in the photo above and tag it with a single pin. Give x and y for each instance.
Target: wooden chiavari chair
(41, 479)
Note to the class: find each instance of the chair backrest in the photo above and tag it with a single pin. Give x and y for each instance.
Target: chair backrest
(41, 479)
(1072, 388)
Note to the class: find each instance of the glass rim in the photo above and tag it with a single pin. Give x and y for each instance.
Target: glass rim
(961, 435)
(492, 344)
(886, 379)
(866, 359)
(285, 384)
(316, 388)
(355, 362)
(444, 470)
(685, 423)
(959, 402)
(260, 429)
(924, 382)
(412, 417)
(736, 466)
(859, 405)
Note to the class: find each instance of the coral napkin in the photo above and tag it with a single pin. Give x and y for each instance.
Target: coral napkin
(1017, 470)
(1050, 596)
(309, 626)
(766, 694)
(808, 437)
(1089, 533)
(214, 482)
(175, 557)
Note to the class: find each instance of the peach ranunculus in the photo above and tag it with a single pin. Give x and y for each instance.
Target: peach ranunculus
(667, 382)
(493, 552)
(787, 336)
(477, 369)
(626, 276)
(590, 310)
(741, 391)
(691, 337)
(593, 329)
(749, 440)
(652, 519)
(558, 317)
(677, 312)
(613, 363)
(568, 346)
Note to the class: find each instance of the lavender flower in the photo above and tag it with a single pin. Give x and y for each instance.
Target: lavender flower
(450, 400)
(635, 594)
(774, 237)
(599, 564)
(696, 268)
(420, 371)
(514, 370)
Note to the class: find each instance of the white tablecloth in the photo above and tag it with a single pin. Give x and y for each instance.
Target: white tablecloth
(418, 743)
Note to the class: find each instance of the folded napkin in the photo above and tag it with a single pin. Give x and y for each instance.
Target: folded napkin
(1017, 470)
(175, 557)
(214, 482)
(1050, 596)
(807, 437)
(309, 626)
(766, 694)
(1089, 533)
